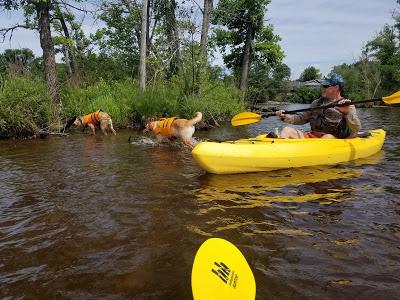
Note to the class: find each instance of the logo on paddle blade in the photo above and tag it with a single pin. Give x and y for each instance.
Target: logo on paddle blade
(225, 274)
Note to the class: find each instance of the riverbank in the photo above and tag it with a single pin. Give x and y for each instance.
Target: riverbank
(25, 107)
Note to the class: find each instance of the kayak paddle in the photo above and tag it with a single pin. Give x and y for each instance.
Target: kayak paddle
(220, 272)
(245, 118)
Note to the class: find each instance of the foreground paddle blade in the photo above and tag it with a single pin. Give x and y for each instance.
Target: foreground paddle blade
(392, 99)
(245, 118)
(221, 272)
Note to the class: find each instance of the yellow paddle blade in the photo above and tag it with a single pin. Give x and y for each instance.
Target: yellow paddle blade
(245, 118)
(392, 99)
(220, 272)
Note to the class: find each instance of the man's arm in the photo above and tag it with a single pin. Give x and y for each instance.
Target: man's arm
(350, 115)
(352, 120)
(298, 118)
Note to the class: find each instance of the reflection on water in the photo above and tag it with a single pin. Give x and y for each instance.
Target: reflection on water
(102, 218)
(264, 189)
(285, 189)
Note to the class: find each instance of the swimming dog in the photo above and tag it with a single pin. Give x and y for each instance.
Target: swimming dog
(93, 120)
(169, 128)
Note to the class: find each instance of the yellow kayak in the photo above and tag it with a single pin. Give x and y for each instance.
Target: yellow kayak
(266, 154)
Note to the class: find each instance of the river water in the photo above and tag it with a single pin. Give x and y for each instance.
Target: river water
(85, 217)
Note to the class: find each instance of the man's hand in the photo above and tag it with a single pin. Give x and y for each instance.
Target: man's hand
(345, 109)
(280, 114)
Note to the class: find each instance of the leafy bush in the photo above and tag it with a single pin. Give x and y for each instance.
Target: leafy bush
(24, 106)
(160, 99)
(123, 101)
(165, 99)
(113, 97)
(216, 98)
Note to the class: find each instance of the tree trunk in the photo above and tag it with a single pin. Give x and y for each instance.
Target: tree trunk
(175, 45)
(42, 9)
(208, 4)
(67, 61)
(73, 65)
(148, 29)
(248, 50)
(130, 6)
(201, 70)
(143, 44)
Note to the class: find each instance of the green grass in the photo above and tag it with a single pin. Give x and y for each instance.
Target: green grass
(167, 99)
(115, 98)
(24, 107)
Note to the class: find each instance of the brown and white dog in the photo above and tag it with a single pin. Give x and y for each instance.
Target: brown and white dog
(182, 129)
(95, 119)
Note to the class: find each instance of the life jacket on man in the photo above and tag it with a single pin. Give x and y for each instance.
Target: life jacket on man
(329, 120)
(164, 127)
(92, 118)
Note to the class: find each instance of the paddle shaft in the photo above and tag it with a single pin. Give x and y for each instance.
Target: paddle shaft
(322, 107)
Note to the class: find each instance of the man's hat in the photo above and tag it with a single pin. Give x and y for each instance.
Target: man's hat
(334, 79)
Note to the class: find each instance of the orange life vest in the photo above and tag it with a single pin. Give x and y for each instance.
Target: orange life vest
(92, 118)
(164, 127)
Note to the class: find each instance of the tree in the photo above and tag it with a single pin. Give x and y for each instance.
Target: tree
(60, 23)
(171, 25)
(120, 38)
(203, 61)
(46, 43)
(42, 10)
(143, 50)
(310, 73)
(267, 83)
(208, 4)
(385, 49)
(246, 36)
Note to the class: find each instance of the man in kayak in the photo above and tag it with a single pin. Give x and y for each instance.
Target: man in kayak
(337, 122)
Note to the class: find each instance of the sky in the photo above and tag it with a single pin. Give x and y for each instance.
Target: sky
(315, 33)
(326, 33)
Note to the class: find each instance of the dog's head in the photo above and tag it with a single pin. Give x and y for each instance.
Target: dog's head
(74, 120)
(69, 121)
(150, 126)
(78, 121)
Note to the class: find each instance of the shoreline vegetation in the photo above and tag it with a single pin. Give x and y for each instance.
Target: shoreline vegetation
(26, 108)
(26, 112)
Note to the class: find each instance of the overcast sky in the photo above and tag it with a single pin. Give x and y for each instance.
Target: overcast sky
(314, 32)
(326, 33)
